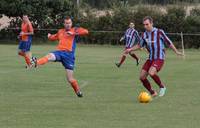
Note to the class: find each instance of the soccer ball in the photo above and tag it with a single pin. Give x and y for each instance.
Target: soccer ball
(144, 97)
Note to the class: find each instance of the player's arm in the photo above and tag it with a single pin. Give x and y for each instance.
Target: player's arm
(169, 43)
(30, 30)
(134, 48)
(122, 38)
(141, 43)
(175, 50)
(52, 37)
(137, 36)
(81, 31)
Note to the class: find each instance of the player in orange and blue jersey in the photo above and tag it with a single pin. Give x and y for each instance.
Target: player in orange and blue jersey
(65, 52)
(25, 37)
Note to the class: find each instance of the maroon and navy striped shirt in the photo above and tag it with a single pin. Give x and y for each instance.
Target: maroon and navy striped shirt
(155, 42)
(131, 37)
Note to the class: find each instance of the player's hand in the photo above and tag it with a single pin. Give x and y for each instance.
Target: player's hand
(21, 34)
(48, 35)
(71, 33)
(19, 37)
(128, 50)
(179, 53)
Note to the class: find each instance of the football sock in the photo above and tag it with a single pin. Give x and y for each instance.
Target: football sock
(27, 59)
(75, 86)
(147, 85)
(42, 60)
(21, 53)
(134, 56)
(122, 60)
(156, 78)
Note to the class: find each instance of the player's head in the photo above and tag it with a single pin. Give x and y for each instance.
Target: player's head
(68, 23)
(148, 23)
(131, 24)
(25, 18)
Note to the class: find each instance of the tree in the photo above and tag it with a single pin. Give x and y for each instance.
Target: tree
(43, 13)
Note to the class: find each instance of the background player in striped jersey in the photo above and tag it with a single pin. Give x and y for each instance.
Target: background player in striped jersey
(25, 38)
(65, 52)
(131, 38)
(154, 40)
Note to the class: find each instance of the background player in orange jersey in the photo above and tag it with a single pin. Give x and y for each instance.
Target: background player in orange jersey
(65, 52)
(25, 38)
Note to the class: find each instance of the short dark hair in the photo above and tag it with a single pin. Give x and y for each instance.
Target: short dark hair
(132, 21)
(68, 18)
(23, 15)
(148, 18)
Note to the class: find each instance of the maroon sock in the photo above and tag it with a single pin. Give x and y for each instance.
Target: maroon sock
(147, 85)
(158, 81)
(122, 60)
(134, 55)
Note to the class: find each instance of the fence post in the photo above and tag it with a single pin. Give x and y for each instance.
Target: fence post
(182, 43)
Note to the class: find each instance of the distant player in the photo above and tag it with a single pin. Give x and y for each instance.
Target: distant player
(154, 40)
(131, 38)
(25, 38)
(65, 52)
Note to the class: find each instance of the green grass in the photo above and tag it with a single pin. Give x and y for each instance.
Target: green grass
(41, 98)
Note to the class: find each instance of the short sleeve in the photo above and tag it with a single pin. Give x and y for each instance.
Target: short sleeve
(165, 38)
(142, 41)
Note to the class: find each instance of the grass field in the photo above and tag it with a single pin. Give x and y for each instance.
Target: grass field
(41, 98)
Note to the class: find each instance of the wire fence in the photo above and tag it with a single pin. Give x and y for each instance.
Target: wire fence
(103, 37)
(102, 31)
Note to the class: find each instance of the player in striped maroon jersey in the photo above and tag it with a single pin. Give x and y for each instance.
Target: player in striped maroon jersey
(131, 38)
(154, 40)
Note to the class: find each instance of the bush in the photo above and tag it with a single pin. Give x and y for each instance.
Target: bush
(192, 24)
(173, 20)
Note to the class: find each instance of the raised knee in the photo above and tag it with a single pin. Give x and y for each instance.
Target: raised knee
(51, 57)
(142, 78)
(151, 73)
(70, 80)
(20, 53)
(125, 54)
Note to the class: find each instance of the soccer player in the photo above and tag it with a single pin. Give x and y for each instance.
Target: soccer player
(131, 38)
(153, 39)
(65, 52)
(25, 38)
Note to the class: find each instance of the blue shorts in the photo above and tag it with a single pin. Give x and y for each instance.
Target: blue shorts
(66, 58)
(25, 46)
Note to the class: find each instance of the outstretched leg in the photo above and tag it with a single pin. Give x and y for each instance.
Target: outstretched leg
(49, 57)
(46, 59)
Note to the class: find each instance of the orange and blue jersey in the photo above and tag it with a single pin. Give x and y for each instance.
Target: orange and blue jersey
(26, 27)
(25, 40)
(155, 42)
(67, 44)
(67, 41)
